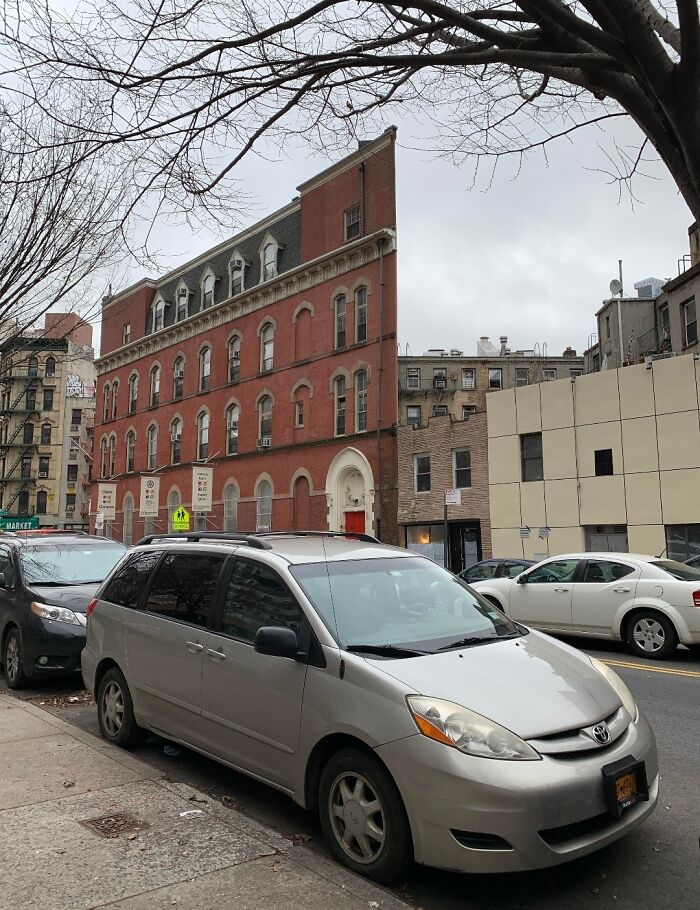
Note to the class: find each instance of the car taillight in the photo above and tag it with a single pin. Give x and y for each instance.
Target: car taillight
(696, 598)
(93, 603)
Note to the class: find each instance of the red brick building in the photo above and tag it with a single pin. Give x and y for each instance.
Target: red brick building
(271, 359)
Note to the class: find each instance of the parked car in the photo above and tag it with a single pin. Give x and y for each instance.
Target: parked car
(371, 685)
(650, 603)
(46, 583)
(495, 568)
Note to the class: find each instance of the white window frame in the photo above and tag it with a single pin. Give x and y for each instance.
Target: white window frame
(468, 378)
(267, 348)
(549, 375)
(413, 422)
(340, 406)
(233, 410)
(353, 217)
(126, 333)
(152, 447)
(413, 378)
(115, 394)
(176, 444)
(234, 359)
(208, 289)
(133, 392)
(361, 308)
(361, 400)
(202, 435)
(519, 378)
(263, 506)
(340, 311)
(298, 414)
(205, 369)
(230, 499)
(689, 339)
(269, 258)
(130, 463)
(416, 472)
(154, 391)
(182, 294)
(237, 263)
(492, 372)
(468, 410)
(178, 374)
(265, 417)
(158, 308)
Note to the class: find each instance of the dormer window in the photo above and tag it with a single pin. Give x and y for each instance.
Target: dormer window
(158, 313)
(208, 289)
(237, 267)
(269, 257)
(182, 302)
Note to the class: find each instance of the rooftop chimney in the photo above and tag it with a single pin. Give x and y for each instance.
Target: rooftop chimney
(504, 345)
(569, 352)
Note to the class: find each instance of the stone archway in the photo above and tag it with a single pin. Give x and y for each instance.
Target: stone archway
(350, 492)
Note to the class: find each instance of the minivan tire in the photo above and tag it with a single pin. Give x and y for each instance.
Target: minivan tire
(115, 710)
(659, 627)
(356, 792)
(15, 676)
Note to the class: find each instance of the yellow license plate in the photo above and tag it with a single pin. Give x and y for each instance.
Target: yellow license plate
(626, 787)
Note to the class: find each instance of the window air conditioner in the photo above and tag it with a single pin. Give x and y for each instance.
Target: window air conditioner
(264, 442)
(179, 374)
(70, 510)
(175, 437)
(43, 474)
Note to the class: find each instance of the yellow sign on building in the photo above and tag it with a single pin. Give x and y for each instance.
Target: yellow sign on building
(181, 519)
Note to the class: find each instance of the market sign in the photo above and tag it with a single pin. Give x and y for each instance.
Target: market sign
(8, 523)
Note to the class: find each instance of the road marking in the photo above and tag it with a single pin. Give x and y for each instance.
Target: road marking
(631, 666)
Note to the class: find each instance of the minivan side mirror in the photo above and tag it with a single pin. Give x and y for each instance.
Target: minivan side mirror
(277, 641)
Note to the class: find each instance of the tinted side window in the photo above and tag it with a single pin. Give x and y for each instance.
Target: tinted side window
(184, 585)
(511, 569)
(257, 597)
(126, 587)
(601, 571)
(553, 572)
(7, 567)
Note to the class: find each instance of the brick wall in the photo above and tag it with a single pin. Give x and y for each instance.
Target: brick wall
(439, 438)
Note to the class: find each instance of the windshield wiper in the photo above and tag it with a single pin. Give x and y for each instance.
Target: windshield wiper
(54, 584)
(474, 640)
(388, 650)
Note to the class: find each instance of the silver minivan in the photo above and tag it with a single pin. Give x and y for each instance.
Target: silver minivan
(371, 685)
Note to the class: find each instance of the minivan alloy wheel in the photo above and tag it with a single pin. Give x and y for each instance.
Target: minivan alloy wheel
(113, 707)
(357, 817)
(12, 660)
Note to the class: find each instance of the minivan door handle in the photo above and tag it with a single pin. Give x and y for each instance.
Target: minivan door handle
(622, 590)
(216, 655)
(194, 647)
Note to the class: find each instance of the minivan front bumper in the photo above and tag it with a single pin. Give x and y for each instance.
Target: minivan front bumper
(482, 815)
(51, 647)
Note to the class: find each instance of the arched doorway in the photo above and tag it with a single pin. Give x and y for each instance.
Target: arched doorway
(350, 492)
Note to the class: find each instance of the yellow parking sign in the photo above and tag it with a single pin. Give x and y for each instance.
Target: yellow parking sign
(181, 519)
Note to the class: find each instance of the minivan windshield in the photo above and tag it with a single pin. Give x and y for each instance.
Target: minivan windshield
(679, 570)
(407, 603)
(69, 563)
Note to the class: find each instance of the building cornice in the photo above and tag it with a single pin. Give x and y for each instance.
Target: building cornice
(297, 280)
(362, 154)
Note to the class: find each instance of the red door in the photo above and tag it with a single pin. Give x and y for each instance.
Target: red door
(355, 522)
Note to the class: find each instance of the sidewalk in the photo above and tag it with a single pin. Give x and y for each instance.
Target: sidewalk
(170, 845)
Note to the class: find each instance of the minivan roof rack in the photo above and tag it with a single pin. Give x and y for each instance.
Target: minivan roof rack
(249, 539)
(351, 535)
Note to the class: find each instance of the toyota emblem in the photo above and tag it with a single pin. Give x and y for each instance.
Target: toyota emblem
(601, 734)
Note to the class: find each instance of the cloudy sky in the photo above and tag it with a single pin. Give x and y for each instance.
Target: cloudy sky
(530, 257)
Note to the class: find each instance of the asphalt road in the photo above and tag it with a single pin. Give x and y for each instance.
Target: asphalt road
(656, 866)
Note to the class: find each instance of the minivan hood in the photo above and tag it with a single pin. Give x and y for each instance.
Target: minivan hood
(531, 685)
(73, 597)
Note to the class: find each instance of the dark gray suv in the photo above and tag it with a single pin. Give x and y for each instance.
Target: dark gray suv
(46, 583)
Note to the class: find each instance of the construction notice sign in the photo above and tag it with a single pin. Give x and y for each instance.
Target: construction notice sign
(150, 489)
(107, 500)
(201, 489)
(180, 519)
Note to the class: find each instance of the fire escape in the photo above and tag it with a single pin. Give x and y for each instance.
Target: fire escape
(19, 386)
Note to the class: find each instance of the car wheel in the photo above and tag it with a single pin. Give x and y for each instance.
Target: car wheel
(115, 710)
(651, 635)
(363, 817)
(12, 660)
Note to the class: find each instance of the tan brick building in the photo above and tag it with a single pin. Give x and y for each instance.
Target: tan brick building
(445, 454)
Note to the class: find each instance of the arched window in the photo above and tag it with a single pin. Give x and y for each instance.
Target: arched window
(339, 386)
(269, 260)
(133, 392)
(23, 503)
(28, 434)
(175, 441)
(204, 369)
(130, 451)
(234, 359)
(263, 497)
(340, 308)
(182, 310)
(105, 401)
(112, 453)
(361, 401)
(115, 394)
(178, 377)
(158, 313)
(152, 447)
(237, 276)
(361, 314)
(207, 290)
(155, 387)
(33, 366)
(203, 435)
(103, 457)
(173, 506)
(230, 507)
(46, 434)
(41, 501)
(267, 347)
(232, 429)
(50, 369)
(265, 421)
(128, 529)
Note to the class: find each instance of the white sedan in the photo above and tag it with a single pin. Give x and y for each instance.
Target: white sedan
(651, 603)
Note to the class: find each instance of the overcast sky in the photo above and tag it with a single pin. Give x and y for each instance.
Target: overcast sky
(530, 258)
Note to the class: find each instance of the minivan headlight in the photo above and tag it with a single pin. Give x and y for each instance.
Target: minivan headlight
(620, 688)
(453, 725)
(57, 614)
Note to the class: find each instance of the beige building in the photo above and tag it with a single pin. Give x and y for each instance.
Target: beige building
(608, 461)
(47, 406)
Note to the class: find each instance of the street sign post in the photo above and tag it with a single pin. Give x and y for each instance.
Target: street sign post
(452, 498)
(16, 523)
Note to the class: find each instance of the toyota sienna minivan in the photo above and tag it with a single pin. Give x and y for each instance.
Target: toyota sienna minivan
(374, 687)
